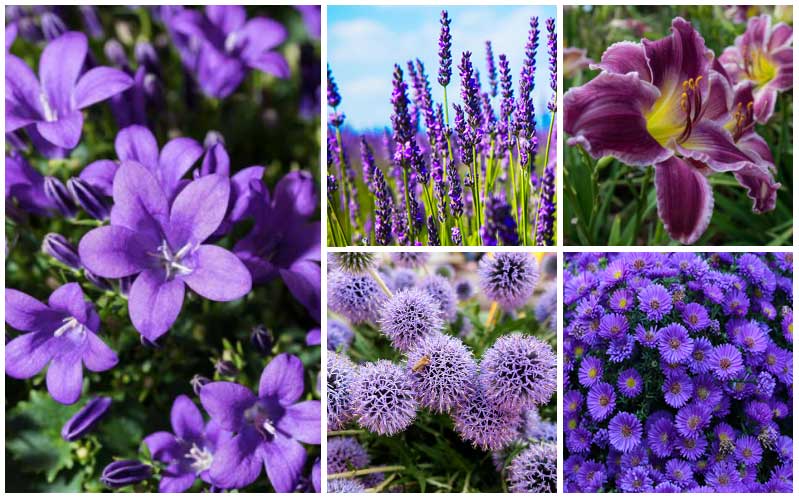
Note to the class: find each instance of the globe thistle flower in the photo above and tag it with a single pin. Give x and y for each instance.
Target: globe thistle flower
(410, 259)
(655, 301)
(357, 297)
(443, 294)
(677, 389)
(547, 306)
(383, 398)
(354, 262)
(674, 343)
(481, 423)
(508, 278)
(590, 371)
(403, 279)
(519, 371)
(341, 376)
(601, 401)
(625, 432)
(408, 317)
(339, 334)
(344, 454)
(464, 290)
(534, 470)
(630, 383)
(345, 486)
(726, 362)
(442, 371)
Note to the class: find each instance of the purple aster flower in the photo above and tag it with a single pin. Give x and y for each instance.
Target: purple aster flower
(748, 450)
(698, 361)
(679, 472)
(85, 419)
(408, 317)
(341, 376)
(636, 480)
(601, 401)
(674, 343)
(751, 337)
(508, 278)
(723, 476)
(621, 301)
(50, 107)
(592, 476)
(613, 326)
(647, 337)
(625, 431)
(695, 317)
(534, 470)
(677, 389)
(442, 370)
(61, 334)
(692, 447)
(443, 294)
(572, 402)
(655, 301)
(736, 303)
(225, 46)
(787, 324)
(578, 440)
(188, 452)
(383, 398)
(630, 383)
(726, 362)
(518, 371)
(693, 419)
(590, 371)
(479, 421)
(163, 245)
(661, 437)
(344, 454)
(268, 427)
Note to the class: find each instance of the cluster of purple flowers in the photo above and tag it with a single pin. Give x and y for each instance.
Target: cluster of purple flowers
(678, 372)
(421, 194)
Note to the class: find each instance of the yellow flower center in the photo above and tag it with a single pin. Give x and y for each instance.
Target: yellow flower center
(673, 114)
(592, 373)
(623, 302)
(760, 68)
(630, 382)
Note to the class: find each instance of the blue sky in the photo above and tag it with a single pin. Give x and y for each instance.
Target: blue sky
(364, 43)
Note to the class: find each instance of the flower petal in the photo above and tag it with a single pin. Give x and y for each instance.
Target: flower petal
(176, 478)
(284, 459)
(63, 132)
(139, 202)
(187, 421)
(236, 462)
(605, 116)
(115, 251)
(282, 377)
(22, 94)
(304, 280)
(678, 57)
(137, 143)
(69, 299)
(685, 200)
(163, 446)
(28, 354)
(225, 402)
(271, 63)
(760, 186)
(226, 17)
(241, 194)
(99, 84)
(177, 157)
(154, 303)
(218, 275)
(216, 160)
(295, 195)
(765, 101)
(65, 378)
(219, 75)
(711, 144)
(100, 175)
(303, 422)
(781, 36)
(261, 35)
(99, 357)
(59, 67)
(198, 210)
(625, 57)
(27, 313)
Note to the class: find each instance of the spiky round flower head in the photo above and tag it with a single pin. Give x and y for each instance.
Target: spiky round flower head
(345, 486)
(464, 289)
(442, 370)
(357, 297)
(339, 334)
(625, 431)
(534, 470)
(547, 306)
(402, 279)
(519, 371)
(410, 259)
(345, 453)
(508, 278)
(408, 317)
(341, 375)
(674, 343)
(383, 398)
(354, 262)
(726, 362)
(480, 422)
(443, 294)
(655, 301)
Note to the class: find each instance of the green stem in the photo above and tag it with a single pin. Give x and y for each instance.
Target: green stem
(476, 193)
(546, 162)
(408, 203)
(365, 472)
(345, 182)
(346, 432)
(380, 282)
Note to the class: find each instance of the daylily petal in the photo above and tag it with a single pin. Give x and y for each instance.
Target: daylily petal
(69, 299)
(684, 198)
(115, 251)
(163, 446)
(765, 101)
(22, 94)
(605, 117)
(28, 354)
(283, 378)
(625, 57)
(781, 36)
(177, 157)
(187, 421)
(284, 459)
(260, 35)
(756, 30)
(64, 132)
(678, 57)
(303, 422)
(225, 402)
(198, 210)
(59, 67)
(218, 274)
(154, 304)
(24, 312)
(139, 202)
(99, 357)
(719, 100)
(100, 175)
(236, 462)
(760, 186)
(99, 84)
(137, 143)
(713, 145)
(65, 378)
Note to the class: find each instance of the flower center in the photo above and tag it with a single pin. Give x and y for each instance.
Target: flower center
(234, 43)
(654, 304)
(604, 400)
(72, 327)
(759, 67)
(50, 114)
(693, 422)
(703, 393)
(676, 388)
(693, 319)
(259, 416)
(201, 458)
(630, 382)
(172, 262)
(626, 431)
(623, 302)
(725, 363)
(674, 343)
(592, 373)
(664, 121)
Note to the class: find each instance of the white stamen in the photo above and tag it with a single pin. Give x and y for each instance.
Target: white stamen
(268, 427)
(202, 458)
(50, 114)
(69, 324)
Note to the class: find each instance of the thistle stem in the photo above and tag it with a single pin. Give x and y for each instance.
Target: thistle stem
(365, 472)
(380, 282)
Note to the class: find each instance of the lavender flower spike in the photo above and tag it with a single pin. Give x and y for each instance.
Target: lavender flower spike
(61, 334)
(50, 107)
(492, 69)
(163, 245)
(444, 51)
(552, 50)
(85, 419)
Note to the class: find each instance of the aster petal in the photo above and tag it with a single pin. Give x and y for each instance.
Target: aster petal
(24, 312)
(625, 57)
(99, 84)
(100, 175)
(228, 18)
(99, 357)
(28, 354)
(236, 462)
(678, 57)
(137, 143)
(163, 446)
(302, 422)
(154, 303)
(59, 67)
(177, 157)
(218, 275)
(605, 116)
(711, 144)
(22, 94)
(64, 132)
(175, 478)
(284, 459)
(685, 199)
(65, 378)
(198, 210)
(69, 299)
(282, 377)
(187, 421)
(225, 402)
(139, 202)
(304, 280)
(115, 251)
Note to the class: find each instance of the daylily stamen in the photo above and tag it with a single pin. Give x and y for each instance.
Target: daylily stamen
(691, 104)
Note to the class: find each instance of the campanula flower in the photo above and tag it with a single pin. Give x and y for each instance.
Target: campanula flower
(85, 419)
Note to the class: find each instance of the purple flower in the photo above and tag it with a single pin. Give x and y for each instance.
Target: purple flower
(518, 371)
(226, 46)
(601, 401)
(85, 419)
(163, 245)
(674, 343)
(661, 437)
(748, 450)
(124, 473)
(677, 389)
(59, 248)
(630, 383)
(590, 371)
(508, 278)
(636, 480)
(479, 421)
(345, 486)
(408, 317)
(344, 454)
(61, 333)
(383, 398)
(534, 470)
(693, 419)
(695, 317)
(341, 377)
(268, 427)
(50, 107)
(442, 370)
(655, 301)
(357, 297)
(613, 326)
(444, 51)
(443, 294)
(189, 452)
(625, 431)
(726, 362)
(751, 338)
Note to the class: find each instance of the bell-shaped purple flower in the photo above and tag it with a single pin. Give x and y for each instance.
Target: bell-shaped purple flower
(85, 419)
(25, 185)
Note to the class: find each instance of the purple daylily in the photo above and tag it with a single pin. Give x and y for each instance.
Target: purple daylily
(283, 242)
(228, 46)
(61, 333)
(49, 107)
(764, 56)
(162, 243)
(189, 452)
(574, 61)
(269, 427)
(660, 103)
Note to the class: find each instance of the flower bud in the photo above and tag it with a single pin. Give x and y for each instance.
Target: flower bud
(85, 419)
(115, 53)
(226, 368)
(89, 198)
(146, 56)
(197, 382)
(60, 196)
(97, 281)
(125, 472)
(59, 248)
(92, 21)
(52, 26)
(262, 339)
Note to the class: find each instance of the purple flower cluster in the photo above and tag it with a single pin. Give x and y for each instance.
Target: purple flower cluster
(678, 372)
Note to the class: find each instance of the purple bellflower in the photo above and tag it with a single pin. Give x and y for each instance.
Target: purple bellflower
(268, 427)
(61, 333)
(25, 185)
(85, 419)
(189, 452)
(163, 245)
(49, 107)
